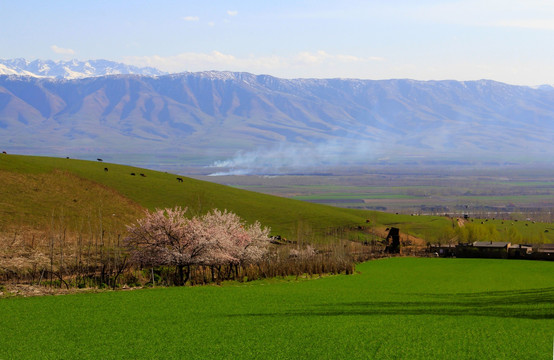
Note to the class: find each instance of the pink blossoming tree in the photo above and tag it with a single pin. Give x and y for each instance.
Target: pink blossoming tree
(167, 238)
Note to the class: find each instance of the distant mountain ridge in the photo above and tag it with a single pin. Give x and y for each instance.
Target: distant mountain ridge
(275, 122)
(72, 69)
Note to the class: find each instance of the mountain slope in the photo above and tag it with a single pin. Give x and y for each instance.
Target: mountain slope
(321, 121)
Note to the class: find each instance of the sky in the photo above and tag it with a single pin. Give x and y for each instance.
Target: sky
(510, 41)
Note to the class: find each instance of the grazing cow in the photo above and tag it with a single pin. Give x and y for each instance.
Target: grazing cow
(142, 175)
(105, 169)
(133, 174)
(3, 152)
(67, 157)
(99, 159)
(180, 179)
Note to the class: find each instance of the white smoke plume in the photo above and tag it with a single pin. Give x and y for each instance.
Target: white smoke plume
(291, 158)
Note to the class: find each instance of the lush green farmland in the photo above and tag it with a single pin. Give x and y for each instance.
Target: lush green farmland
(492, 192)
(393, 308)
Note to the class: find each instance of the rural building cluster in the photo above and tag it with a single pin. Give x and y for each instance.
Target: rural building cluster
(494, 250)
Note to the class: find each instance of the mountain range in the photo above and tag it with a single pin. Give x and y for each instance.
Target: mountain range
(266, 123)
(72, 69)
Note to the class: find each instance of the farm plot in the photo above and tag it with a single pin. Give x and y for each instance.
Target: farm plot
(417, 308)
(415, 190)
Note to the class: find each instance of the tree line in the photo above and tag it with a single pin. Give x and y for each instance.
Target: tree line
(164, 247)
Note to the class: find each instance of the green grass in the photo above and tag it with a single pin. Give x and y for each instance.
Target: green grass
(399, 308)
(39, 200)
(159, 190)
(34, 190)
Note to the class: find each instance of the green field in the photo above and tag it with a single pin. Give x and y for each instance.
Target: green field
(350, 196)
(486, 192)
(398, 308)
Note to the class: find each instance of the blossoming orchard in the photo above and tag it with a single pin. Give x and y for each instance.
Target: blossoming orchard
(219, 240)
(165, 247)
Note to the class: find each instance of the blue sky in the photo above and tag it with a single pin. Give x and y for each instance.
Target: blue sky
(504, 40)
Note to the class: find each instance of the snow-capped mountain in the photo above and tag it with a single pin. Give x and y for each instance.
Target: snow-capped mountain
(304, 121)
(72, 69)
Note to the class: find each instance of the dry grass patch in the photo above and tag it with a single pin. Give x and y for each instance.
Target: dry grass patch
(61, 199)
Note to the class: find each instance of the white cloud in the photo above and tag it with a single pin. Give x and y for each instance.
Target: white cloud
(321, 64)
(211, 23)
(59, 50)
(307, 57)
(303, 64)
(232, 12)
(191, 18)
(322, 57)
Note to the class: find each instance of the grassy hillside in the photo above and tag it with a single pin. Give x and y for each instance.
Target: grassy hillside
(399, 308)
(60, 181)
(37, 191)
(41, 200)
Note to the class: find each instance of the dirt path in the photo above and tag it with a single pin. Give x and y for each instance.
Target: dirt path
(461, 222)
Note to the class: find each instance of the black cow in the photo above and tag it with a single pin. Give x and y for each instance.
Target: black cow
(133, 174)
(142, 175)
(105, 169)
(99, 159)
(180, 179)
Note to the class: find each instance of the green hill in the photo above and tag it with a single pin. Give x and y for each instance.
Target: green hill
(36, 189)
(37, 192)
